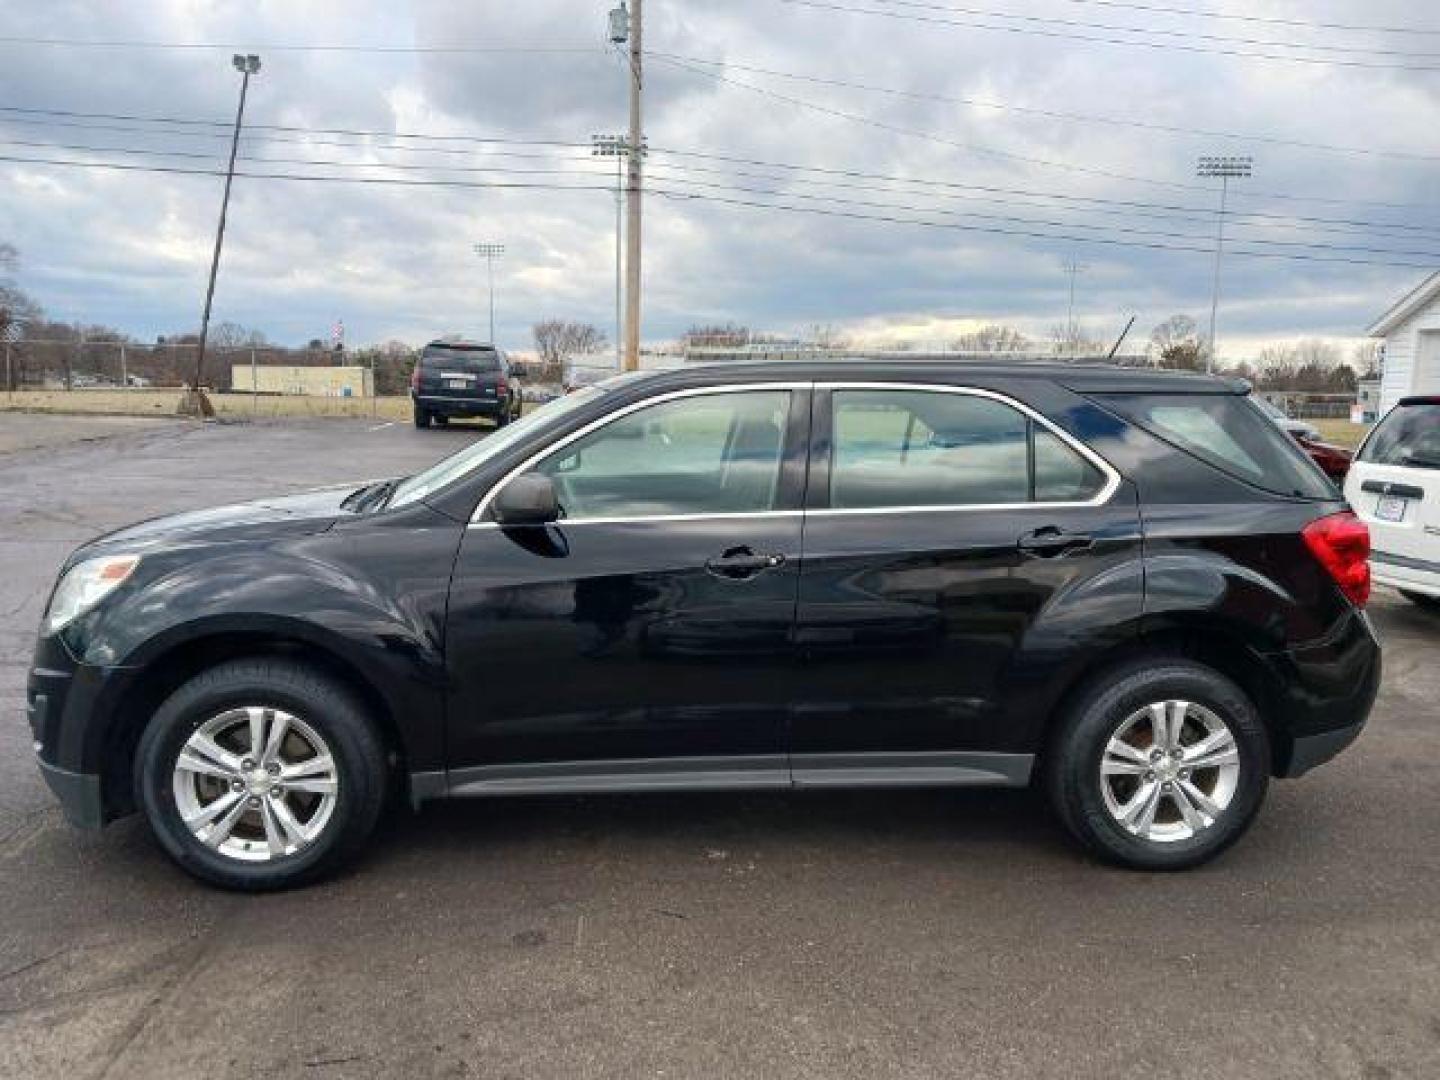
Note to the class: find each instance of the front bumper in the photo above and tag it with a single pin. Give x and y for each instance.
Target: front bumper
(79, 795)
(70, 706)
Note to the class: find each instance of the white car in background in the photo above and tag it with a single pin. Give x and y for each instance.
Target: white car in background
(1394, 485)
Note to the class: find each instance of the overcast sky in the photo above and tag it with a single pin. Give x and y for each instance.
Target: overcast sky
(132, 249)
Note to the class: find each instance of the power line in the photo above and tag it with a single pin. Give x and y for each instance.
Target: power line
(72, 118)
(1052, 114)
(1070, 35)
(726, 200)
(84, 43)
(1219, 15)
(1195, 214)
(869, 121)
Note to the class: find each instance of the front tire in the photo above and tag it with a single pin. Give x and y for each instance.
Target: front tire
(1160, 765)
(260, 774)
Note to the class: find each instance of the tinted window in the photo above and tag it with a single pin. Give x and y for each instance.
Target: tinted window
(1230, 433)
(448, 358)
(929, 448)
(1409, 435)
(709, 454)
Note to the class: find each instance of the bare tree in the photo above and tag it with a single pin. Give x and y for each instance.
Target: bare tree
(1074, 341)
(721, 335)
(1175, 343)
(1366, 359)
(993, 338)
(558, 339)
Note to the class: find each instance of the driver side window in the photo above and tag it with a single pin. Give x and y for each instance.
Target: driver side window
(706, 454)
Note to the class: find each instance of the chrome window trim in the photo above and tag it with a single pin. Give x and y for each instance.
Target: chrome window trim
(609, 418)
(1100, 498)
(1103, 496)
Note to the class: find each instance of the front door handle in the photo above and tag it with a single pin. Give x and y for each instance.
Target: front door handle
(740, 563)
(1051, 541)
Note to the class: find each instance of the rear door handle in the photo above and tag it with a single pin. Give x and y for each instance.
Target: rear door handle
(741, 562)
(1050, 541)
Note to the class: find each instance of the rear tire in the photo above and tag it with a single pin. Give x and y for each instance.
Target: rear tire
(1127, 814)
(283, 815)
(1429, 603)
(440, 419)
(422, 417)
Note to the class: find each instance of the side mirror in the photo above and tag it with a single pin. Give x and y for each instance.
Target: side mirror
(529, 499)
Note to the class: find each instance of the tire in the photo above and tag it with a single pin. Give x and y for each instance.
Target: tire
(503, 417)
(422, 417)
(1421, 600)
(1091, 807)
(321, 715)
(440, 419)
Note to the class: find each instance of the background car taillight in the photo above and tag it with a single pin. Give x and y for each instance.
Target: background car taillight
(501, 387)
(1341, 543)
(415, 377)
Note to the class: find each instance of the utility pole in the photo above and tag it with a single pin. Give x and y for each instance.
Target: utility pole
(489, 252)
(247, 66)
(632, 192)
(1225, 168)
(1073, 268)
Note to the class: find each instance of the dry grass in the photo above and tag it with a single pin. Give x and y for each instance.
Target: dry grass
(1341, 432)
(237, 406)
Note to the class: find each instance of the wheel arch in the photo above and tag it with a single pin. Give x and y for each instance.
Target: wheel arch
(1216, 647)
(167, 670)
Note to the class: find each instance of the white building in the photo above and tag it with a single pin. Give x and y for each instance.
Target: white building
(1410, 349)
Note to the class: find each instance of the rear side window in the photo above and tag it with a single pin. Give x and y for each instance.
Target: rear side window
(1230, 433)
(894, 448)
(1409, 435)
(457, 359)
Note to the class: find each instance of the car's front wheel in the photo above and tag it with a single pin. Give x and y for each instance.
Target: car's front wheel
(1160, 765)
(260, 774)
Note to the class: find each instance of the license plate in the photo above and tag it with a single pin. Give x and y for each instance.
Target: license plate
(456, 384)
(1391, 508)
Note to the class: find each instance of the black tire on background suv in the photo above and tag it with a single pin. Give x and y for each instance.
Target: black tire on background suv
(1421, 600)
(422, 417)
(1159, 765)
(260, 774)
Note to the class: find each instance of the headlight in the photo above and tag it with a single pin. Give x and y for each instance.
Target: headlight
(84, 586)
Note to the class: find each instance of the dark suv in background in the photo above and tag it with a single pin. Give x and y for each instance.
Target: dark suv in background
(464, 379)
(1129, 587)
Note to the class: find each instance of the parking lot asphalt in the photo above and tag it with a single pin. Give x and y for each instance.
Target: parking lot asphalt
(875, 934)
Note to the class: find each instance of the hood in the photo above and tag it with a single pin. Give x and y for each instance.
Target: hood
(305, 512)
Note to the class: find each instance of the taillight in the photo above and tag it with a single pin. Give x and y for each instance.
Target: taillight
(501, 387)
(1341, 544)
(415, 377)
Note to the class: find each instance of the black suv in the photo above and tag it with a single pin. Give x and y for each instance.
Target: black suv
(1128, 587)
(460, 379)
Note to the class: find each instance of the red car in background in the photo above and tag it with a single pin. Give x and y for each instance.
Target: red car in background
(1334, 461)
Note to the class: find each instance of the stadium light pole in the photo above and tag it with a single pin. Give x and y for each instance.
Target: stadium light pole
(1226, 168)
(247, 65)
(489, 252)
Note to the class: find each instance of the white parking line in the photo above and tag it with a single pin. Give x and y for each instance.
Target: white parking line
(377, 427)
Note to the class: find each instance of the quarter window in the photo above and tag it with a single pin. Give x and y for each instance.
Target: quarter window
(708, 454)
(894, 448)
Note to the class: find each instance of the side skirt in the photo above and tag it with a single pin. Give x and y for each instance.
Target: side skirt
(766, 771)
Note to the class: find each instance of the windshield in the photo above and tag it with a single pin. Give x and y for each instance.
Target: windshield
(445, 472)
(1408, 436)
(460, 359)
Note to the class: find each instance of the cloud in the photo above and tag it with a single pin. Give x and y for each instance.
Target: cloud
(132, 249)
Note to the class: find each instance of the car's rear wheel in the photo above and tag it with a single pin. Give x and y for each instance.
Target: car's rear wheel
(422, 417)
(1429, 603)
(1159, 765)
(260, 774)
(441, 420)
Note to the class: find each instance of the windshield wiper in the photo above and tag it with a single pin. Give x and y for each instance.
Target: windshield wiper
(371, 496)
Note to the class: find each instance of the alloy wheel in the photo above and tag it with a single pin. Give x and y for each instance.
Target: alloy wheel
(1169, 771)
(255, 783)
